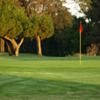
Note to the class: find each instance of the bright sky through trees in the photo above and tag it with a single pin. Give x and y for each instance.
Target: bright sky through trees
(74, 8)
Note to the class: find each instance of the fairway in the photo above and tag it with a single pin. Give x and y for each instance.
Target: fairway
(29, 77)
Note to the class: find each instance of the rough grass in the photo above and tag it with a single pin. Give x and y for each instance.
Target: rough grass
(29, 77)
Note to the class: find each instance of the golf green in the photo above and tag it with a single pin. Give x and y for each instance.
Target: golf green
(29, 77)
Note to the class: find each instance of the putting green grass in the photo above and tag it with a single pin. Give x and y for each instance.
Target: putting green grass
(29, 77)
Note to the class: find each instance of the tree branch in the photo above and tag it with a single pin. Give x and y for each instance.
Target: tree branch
(21, 41)
(43, 13)
(7, 38)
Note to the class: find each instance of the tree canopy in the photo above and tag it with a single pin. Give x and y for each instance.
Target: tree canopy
(14, 23)
(13, 20)
(42, 19)
(94, 15)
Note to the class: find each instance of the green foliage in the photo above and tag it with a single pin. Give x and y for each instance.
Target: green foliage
(60, 15)
(62, 19)
(0, 4)
(94, 13)
(13, 20)
(46, 27)
(93, 35)
(85, 5)
(67, 40)
(42, 26)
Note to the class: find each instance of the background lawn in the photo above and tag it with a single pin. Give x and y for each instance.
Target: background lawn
(29, 77)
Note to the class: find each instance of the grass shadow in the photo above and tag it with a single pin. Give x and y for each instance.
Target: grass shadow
(20, 88)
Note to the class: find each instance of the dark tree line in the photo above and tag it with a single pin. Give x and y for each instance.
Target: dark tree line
(47, 27)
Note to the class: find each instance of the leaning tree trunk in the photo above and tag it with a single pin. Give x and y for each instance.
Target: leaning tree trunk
(2, 47)
(9, 49)
(13, 46)
(39, 49)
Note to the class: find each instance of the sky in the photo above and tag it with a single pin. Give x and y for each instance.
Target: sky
(73, 8)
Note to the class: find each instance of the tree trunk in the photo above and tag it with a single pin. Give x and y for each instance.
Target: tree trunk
(13, 46)
(9, 49)
(17, 51)
(2, 47)
(39, 49)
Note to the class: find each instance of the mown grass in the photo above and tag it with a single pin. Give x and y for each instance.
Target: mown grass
(29, 77)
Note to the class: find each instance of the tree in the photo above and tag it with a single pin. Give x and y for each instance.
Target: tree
(60, 15)
(85, 5)
(93, 36)
(14, 24)
(94, 14)
(1, 40)
(43, 28)
(68, 38)
(2, 48)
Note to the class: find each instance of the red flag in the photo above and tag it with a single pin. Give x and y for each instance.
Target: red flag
(81, 29)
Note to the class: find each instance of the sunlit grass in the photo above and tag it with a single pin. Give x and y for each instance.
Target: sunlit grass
(29, 77)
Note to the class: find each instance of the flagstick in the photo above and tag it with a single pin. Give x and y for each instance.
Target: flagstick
(80, 47)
